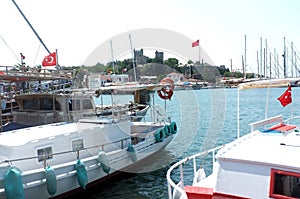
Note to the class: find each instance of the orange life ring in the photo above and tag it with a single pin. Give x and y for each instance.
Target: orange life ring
(168, 81)
(167, 91)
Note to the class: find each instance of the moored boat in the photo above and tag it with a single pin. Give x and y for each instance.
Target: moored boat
(66, 144)
(261, 164)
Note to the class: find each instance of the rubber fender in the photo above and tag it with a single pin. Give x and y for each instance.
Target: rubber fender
(103, 160)
(132, 153)
(173, 127)
(167, 129)
(13, 184)
(159, 135)
(81, 174)
(51, 181)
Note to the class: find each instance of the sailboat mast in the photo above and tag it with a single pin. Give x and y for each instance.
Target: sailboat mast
(245, 64)
(261, 60)
(284, 58)
(133, 60)
(36, 34)
(112, 57)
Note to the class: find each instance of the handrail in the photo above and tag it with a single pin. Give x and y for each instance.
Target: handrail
(64, 152)
(176, 187)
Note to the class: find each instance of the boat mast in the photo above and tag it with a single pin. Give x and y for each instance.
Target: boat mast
(292, 68)
(284, 58)
(112, 57)
(266, 58)
(133, 60)
(245, 64)
(36, 34)
(261, 60)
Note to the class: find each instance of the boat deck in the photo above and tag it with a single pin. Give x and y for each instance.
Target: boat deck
(260, 147)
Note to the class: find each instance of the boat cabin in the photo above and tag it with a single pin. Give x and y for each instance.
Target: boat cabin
(38, 109)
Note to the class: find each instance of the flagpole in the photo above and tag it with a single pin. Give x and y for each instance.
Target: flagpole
(238, 113)
(56, 57)
(57, 64)
(267, 103)
(199, 54)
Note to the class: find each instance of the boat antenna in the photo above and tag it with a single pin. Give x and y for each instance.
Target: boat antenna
(36, 34)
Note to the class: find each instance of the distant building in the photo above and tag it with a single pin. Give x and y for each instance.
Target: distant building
(176, 77)
(139, 57)
(159, 56)
(148, 79)
(97, 80)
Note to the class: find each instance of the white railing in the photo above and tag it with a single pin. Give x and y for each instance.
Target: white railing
(178, 189)
(265, 122)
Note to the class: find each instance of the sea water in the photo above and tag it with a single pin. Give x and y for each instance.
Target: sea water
(205, 118)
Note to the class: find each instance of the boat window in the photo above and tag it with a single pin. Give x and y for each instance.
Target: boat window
(46, 104)
(87, 104)
(32, 104)
(284, 184)
(77, 144)
(74, 104)
(44, 153)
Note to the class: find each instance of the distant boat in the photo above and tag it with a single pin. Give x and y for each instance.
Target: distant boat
(270, 83)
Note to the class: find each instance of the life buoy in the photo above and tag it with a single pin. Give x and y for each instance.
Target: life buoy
(167, 91)
(168, 81)
(165, 94)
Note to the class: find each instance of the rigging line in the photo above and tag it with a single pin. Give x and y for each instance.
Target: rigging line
(295, 48)
(36, 34)
(9, 48)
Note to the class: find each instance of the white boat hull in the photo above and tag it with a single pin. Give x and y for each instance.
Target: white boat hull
(111, 138)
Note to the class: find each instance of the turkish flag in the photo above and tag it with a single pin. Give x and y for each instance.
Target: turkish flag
(286, 97)
(195, 43)
(50, 60)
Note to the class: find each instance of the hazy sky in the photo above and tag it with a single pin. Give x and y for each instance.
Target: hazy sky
(77, 27)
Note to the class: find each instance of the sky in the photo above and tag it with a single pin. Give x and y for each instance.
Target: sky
(76, 27)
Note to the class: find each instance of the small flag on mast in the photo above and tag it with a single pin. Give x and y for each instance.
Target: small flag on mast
(195, 43)
(286, 97)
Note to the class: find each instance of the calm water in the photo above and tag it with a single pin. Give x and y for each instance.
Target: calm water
(205, 118)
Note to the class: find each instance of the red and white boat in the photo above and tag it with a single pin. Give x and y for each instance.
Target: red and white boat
(261, 164)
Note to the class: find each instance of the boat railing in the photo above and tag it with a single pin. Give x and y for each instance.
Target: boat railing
(175, 190)
(265, 122)
(122, 144)
(157, 116)
(32, 178)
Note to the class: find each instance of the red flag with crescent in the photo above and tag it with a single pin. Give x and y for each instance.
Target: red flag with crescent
(286, 97)
(50, 60)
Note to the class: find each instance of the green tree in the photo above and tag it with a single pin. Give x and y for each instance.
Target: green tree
(172, 62)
